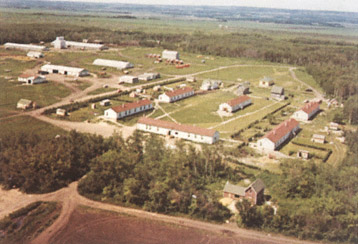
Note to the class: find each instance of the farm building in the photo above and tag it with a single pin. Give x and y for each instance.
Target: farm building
(278, 93)
(128, 109)
(148, 76)
(113, 63)
(333, 126)
(65, 70)
(210, 85)
(173, 96)
(303, 154)
(24, 104)
(277, 136)
(105, 102)
(61, 43)
(26, 47)
(266, 82)
(318, 138)
(243, 88)
(128, 79)
(191, 79)
(235, 104)
(61, 112)
(187, 132)
(254, 192)
(307, 111)
(31, 79)
(34, 54)
(170, 55)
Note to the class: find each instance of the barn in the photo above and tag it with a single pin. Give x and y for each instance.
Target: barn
(254, 192)
(171, 55)
(173, 96)
(187, 132)
(113, 63)
(26, 47)
(65, 70)
(31, 79)
(128, 109)
(235, 104)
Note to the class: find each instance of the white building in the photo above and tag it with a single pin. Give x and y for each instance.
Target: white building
(128, 79)
(34, 54)
(235, 104)
(113, 63)
(278, 93)
(307, 111)
(187, 132)
(176, 95)
(210, 85)
(318, 138)
(61, 43)
(170, 55)
(31, 79)
(65, 70)
(277, 136)
(148, 76)
(266, 82)
(128, 109)
(24, 104)
(26, 47)
(61, 112)
(105, 102)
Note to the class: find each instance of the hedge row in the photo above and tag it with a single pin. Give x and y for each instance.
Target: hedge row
(325, 158)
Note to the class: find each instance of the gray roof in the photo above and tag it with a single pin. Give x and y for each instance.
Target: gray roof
(238, 190)
(23, 101)
(258, 185)
(277, 90)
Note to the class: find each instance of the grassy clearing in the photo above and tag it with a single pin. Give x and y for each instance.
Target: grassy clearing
(101, 90)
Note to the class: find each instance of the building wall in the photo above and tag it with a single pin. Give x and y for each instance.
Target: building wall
(241, 105)
(225, 107)
(300, 115)
(266, 144)
(110, 114)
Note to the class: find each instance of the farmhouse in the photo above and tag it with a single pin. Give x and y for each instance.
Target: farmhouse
(277, 136)
(128, 109)
(24, 104)
(253, 193)
(128, 79)
(34, 54)
(170, 55)
(307, 111)
(113, 63)
(26, 47)
(187, 132)
(31, 79)
(148, 76)
(277, 92)
(210, 84)
(318, 138)
(266, 82)
(235, 104)
(61, 43)
(176, 95)
(65, 70)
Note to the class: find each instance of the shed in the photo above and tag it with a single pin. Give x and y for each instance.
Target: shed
(171, 55)
(277, 92)
(266, 82)
(128, 79)
(24, 104)
(318, 138)
(105, 102)
(61, 112)
(34, 54)
(303, 154)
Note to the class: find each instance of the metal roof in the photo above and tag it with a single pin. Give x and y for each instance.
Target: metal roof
(113, 63)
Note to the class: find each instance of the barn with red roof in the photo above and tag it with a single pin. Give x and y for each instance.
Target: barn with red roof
(235, 104)
(307, 112)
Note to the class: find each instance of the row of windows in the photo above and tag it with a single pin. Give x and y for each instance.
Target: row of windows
(149, 127)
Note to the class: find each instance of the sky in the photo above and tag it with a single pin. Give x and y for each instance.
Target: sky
(332, 5)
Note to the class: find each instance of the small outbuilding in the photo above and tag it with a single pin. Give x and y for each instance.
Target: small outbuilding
(61, 112)
(34, 54)
(243, 88)
(303, 154)
(254, 192)
(318, 138)
(105, 102)
(24, 104)
(278, 93)
(210, 85)
(30, 79)
(128, 79)
(266, 82)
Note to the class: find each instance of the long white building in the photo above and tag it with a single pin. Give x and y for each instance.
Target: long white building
(61, 43)
(235, 104)
(170, 55)
(187, 132)
(65, 70)
(26, 47)
(128, 109)
(307, 111)
(113, 63)
(176, 95)
(277, 136)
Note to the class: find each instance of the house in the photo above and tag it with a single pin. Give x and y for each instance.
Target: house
(65, 70)
(113, 63)
(34, 54)
(61, 43)
(277, 92)
(187, 132)
(31, 79)
(128, 109)
(105, 102)
(148, 76)
(61, 112)
(303, 154)
(25, 47)
(266, 82)
(235, 104)
(254, 192)
(243, 88)
(210, 85)
(318, 138)
(175, 95)
(128, 79)
(280, 134)
(307, 112)
(24, 104)
(171, 55)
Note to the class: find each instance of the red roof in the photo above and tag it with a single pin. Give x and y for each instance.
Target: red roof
(238, 100)
(179, 91)
(178, 127)
(281, 130)
(128, 106)
(310, 107)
